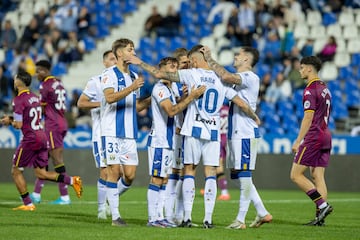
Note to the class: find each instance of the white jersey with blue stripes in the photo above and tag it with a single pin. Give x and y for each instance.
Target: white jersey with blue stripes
(240, 125)
(94, 93)
(202, 119)
(163, 127)
(119, 118)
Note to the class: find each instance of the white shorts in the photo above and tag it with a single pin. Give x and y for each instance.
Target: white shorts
(119, 151)
(178, 162)
(243, 154)
(195, 149)
(160, 161)
(97, 153)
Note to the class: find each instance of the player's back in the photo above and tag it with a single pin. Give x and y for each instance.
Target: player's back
(241, 125)
(202, 118)
(27, 105)
(94, 93)
(53, 98)
(317, 98)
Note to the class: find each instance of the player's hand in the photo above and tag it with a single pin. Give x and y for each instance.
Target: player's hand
(295, 147)
(206, 51)
(257, 120)
(138, 83)
(197, 92)
(185, 90)
(6, 120)
(132, 59)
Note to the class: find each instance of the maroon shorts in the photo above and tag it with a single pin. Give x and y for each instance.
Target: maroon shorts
(30, 158)
(223, 140)
(311, 157)
(56, 139)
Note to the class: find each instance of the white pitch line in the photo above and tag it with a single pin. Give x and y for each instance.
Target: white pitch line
(281, 201)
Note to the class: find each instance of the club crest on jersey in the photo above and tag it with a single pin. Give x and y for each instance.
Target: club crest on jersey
(306, 104)
(104, 80)
(161, 93)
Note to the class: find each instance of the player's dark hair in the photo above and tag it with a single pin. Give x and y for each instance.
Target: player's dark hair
(106, 53)
(165, 60)
(180, 52)
(121, 43)
(195, 49)
(313, 61)
(254, 53)
(43, 63)
(24, 76)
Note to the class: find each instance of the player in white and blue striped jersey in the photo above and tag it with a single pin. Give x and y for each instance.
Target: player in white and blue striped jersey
(162, 137)
(91, 99)
(243, 133)
(119, 125)
(201, 127)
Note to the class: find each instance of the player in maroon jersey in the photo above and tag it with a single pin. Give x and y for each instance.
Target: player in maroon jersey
(53, 101)
(33, 148)
(313, 144)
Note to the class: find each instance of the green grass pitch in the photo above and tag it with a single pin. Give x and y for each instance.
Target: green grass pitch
(79, 220)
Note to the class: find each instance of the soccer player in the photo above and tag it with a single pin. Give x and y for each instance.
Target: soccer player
(33, 148)
(200, 128)
(118, 125)
(174, 207)
(162, 137)
(220, 175)
(53, 101)
(313, 144)
(243, 133)
(91, 99)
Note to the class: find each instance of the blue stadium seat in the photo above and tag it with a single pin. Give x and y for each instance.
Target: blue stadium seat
(331, 124)
(160, 43)
(353, 98)
(191, 42)
(145, 43)
(345, 72)
(205, 30)
(189, 30)
(339, 110)
(89, 43)
(329, 18)
(355, 60)
(285, 108)
(59, 69)
(130, 6)
(175, 42)
(262, 69)
(267, 107)
(116, 18)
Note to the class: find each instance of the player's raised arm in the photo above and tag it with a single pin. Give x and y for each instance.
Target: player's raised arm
(246, 109)
(172, 110)
(225, 75)
(174, 77)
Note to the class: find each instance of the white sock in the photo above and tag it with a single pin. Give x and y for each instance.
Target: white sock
(152, 199)
(244, 202)
(258, 203)
(112, 195)
(170, 197)
(161, 202)
(122, 186)
(210, 192)
(188, 195)
(101, 187)
(179, 202)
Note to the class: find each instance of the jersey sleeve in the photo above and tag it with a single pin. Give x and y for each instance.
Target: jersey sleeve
(230, 93)
(107, 80)
(245, 81)
(18, 110)
(309, 100)
(90, 89)
(161, 93)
